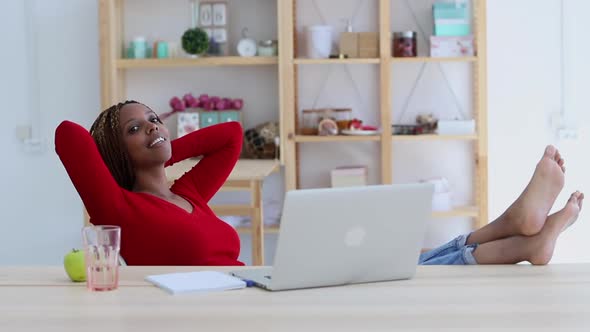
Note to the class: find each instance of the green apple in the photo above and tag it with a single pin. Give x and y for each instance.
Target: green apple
(75, 266)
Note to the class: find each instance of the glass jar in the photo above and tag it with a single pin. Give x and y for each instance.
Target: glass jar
(268, 48)
(405, 44)
(309, 122)
(343, 117)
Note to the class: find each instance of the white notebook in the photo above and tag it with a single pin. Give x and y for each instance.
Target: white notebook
(202, 281)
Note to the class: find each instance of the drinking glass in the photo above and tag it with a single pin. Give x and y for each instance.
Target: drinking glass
(101, 248)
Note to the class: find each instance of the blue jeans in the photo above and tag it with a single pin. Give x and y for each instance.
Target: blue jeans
(452, 253)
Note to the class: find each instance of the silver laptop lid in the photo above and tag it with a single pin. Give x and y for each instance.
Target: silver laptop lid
(349, 235)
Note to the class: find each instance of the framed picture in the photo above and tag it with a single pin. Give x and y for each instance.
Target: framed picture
(219, 14)
(220, 35)
(213, 19)
(205, 14)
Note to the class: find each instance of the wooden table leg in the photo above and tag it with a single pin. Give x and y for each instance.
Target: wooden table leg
(257, 223)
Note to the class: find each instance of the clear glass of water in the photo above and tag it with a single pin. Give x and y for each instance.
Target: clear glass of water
(101, 248)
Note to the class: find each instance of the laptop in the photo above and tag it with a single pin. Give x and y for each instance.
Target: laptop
(339, 236)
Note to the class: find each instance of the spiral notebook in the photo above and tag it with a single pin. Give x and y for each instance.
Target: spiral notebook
(191, 282)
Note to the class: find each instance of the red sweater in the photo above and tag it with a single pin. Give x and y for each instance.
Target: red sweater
(155, 231)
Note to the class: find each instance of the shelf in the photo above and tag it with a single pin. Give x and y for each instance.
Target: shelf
(468, 211)
(339, 138)
(430, 59)
(274, 229)
(335, 61)
(196, 62)
(434, 137)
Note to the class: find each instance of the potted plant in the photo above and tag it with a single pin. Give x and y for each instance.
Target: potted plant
(195, 41)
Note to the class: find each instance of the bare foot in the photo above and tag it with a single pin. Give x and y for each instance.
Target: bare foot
(542, 245)
(528, 213)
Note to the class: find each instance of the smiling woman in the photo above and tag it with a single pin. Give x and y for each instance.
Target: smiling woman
(119, 171)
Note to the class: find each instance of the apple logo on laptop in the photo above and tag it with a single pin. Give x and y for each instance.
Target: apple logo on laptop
(355, 236)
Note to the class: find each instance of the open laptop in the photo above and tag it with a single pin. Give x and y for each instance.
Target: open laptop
(341, 236)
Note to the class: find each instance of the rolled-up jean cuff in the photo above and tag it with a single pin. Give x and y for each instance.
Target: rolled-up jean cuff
(461, 240)
(468, 254)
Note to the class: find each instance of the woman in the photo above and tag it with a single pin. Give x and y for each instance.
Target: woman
(118, 170)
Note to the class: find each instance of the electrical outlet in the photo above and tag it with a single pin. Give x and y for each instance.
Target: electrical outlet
(23, 133)
(567, 134)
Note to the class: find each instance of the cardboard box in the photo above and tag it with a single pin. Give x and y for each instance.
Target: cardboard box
(350, 176)
(456, 127)
(368, 44)
(451, 46)
(349, 44)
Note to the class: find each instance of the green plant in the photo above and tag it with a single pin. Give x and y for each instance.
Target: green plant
(195, 41)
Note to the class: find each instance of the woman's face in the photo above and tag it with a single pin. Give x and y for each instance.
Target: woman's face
(147, 140)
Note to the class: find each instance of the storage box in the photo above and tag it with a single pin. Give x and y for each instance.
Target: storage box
(350, 176)
(349, 44)
(368, 44)
(194, 119)
(456, 127)
(187, 122)
(451, 19)
(451, 46)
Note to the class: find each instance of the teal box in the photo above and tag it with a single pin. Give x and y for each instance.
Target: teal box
(227, 116)
(447, 10)
(452, 30)
(451, 19)
(208, 118)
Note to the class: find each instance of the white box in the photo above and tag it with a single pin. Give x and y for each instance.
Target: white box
(187, 123)
(451, 46)
(456, 127)
(351, 176)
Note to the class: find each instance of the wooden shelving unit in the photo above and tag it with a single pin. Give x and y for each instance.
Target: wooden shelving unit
(336, 61)
(290, 108)
(113, 78)
(434, 137)
(430, 59)
(113, 81)
(318, 139)
(197, 62)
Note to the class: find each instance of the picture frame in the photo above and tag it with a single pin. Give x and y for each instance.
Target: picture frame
(205, 14)
(219, 14)
(213, 18)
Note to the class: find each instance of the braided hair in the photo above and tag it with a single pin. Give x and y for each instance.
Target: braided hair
(106, 132)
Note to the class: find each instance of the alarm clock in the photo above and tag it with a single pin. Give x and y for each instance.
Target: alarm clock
(246, 46)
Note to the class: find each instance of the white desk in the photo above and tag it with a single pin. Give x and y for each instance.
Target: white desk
(525, 298)
(247, 175)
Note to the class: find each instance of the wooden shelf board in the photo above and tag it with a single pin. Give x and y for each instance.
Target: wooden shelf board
(196, 62)
(431, 59)
(274, 229)
(335, 61)
(468, 211)
(339, 138)
(434, 137)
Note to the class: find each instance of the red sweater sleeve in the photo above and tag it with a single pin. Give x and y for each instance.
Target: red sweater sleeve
(220, 145)
(89, 174)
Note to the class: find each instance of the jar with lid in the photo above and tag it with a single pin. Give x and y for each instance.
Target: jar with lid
(309, 122)
(343, 117)
(405, 44)
(268, 48)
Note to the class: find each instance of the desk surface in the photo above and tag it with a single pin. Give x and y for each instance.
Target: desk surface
(550, 298)
(245, 169)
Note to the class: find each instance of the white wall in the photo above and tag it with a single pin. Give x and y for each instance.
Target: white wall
(524, 90)
(41, 212)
